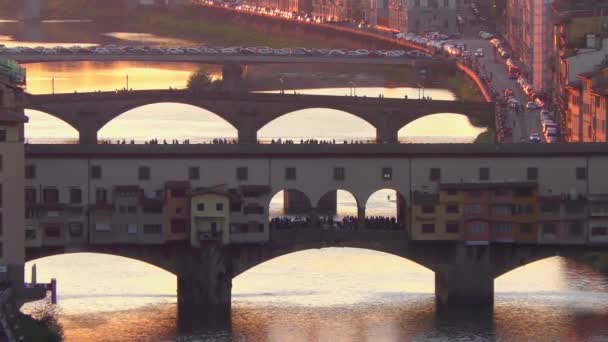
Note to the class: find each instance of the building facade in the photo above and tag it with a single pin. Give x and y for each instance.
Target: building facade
(480, 198)
(12, 213)
(423, 15)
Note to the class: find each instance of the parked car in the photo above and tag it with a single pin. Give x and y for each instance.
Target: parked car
(531, 106)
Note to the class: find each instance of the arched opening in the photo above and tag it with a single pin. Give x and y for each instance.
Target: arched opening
(334, 276)
(92, 282)
(44, 128)
(288, 209)
(338, 209)
(317, 125)
(440, 128)
(553, 274)
(386, 209)
(167, 122)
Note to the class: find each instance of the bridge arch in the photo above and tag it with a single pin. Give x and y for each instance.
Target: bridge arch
(151, 255)
(343, 246)
(386, 204)
(289, 208)
(46, 124)
(311, 122)
(439, 126)
(193, 121)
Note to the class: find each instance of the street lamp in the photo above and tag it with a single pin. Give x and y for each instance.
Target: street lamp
(353, 89)
(282, 80)
(53, 85)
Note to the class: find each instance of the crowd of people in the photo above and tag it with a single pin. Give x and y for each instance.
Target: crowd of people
(281, 141)
(328, 222)
(279, 223)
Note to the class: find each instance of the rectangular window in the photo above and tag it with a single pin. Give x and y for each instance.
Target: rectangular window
(477, 227)
(581, 173)
(75, 196)
(549, 229)
(387, 173)
(101, 196)
(472, 209)
(2, 135)
(1, 163)
(451, 208)
(503, 228)
(1, 224)
(143, 173)
(50, 195)
(132, 209)
(428, 228)
(132, 228)
(96, 172)
(290, 173)
(219, 206)
(200, 207)
(484, 173)
(503, 209)
(532, 174)
(452, 227)
(242, 173)
(428, 209)
(52, 231)
(576, 228)
(339, 173)
(179, 226)
(599, 231)
(75, 229)
(525, 228)
(153, 228)
(194, 173)
(103, 226)
(30, 171)
(435, 175)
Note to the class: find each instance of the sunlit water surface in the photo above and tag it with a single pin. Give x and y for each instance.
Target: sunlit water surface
(334, 294)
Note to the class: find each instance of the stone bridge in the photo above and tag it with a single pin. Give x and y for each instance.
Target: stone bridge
(463, 274)
(249, 112)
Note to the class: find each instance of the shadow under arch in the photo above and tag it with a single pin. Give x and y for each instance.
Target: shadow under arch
(339, 209)
(177, 119)
(386, 209)
(43, 125)
(440, 127)
(324, 124)
(289, 208)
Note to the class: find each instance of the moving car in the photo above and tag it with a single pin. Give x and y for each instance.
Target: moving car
(479, 52)
(535, 137)
(531, 105)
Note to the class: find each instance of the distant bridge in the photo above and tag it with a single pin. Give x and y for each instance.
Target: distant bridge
(224, 59)
(249, 112)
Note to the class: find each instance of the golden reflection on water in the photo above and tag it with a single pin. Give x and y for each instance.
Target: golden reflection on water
(332, 294)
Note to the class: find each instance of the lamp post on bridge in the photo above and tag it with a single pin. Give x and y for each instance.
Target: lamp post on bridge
(53, 85)
(127, 89)
(353, 88)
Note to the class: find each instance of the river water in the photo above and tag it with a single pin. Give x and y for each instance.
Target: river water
(334, 294)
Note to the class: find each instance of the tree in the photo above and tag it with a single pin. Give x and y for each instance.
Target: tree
(200, 80)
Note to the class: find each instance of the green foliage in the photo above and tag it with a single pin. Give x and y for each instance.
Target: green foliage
(486, 137)
(42, 325)
(200, 80)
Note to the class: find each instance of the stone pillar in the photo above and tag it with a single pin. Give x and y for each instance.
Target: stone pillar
(87, 136)
(361, 217)
(247, 135)
(468, 279)
(385, 134)
(232, 77)
(328, 204)
(204, 281)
